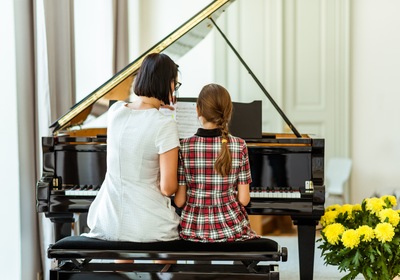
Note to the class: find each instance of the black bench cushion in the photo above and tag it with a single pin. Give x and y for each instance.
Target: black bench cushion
(86, 243)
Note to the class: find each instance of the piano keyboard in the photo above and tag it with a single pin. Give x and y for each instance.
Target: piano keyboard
(287, 192)
(90, 190)
(85, 190)
(264, 193)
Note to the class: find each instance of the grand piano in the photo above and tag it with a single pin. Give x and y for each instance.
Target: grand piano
(287, 168)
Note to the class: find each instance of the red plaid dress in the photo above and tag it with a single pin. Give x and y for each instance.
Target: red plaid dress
(212, 212)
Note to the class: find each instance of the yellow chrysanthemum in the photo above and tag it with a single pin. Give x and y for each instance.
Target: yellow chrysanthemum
(374, 204)
(332, 233)
(357, 207)
(328, 218)
(366, 233)
(333, 207)
(359, 242)
(391, 198)
(384, 232)
(347, 208)
(350, 238)
(392, 215)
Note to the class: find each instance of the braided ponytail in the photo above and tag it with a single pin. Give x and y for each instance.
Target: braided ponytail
(223, 164)
(215, 105)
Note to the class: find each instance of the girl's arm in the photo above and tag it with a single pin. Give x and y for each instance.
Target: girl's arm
(244, 194)
(168, 172)
(180, 196)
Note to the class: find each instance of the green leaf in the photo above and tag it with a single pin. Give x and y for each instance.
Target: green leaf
(386, 247)
(356, 259)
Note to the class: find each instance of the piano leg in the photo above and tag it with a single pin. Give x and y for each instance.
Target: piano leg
(62, 226)
(306, 244)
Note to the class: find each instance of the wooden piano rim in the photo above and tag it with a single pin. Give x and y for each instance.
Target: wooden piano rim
(83, 143)
(278, 145)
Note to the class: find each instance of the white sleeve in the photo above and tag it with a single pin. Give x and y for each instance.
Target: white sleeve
(167, 137)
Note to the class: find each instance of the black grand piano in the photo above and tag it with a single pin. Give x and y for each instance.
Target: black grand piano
(287, 168)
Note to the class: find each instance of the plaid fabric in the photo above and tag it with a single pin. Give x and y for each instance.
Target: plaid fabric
(212, 212)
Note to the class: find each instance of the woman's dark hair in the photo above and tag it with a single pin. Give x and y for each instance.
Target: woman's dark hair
(155, 76)
(214, 105)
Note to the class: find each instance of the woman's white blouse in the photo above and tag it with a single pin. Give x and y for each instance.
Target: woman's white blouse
(129, 205)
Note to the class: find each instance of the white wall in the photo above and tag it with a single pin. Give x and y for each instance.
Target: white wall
(375, 88)
(10, 234)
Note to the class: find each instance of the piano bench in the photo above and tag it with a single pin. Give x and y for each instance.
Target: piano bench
(79, 257)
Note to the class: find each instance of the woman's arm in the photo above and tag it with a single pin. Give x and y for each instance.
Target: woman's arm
(180, 196)
(244, 194)
(169, 172)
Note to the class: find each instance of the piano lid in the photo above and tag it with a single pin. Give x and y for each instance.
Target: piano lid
(176, 44)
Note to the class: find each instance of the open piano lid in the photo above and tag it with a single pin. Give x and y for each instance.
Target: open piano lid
(175, 45)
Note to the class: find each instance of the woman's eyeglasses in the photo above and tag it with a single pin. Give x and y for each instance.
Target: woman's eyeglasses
(177, 85)
(175, 93)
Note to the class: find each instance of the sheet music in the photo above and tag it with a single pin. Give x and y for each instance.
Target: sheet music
(186, 117)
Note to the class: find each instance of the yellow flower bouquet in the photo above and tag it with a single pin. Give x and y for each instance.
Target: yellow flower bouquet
(363, 238)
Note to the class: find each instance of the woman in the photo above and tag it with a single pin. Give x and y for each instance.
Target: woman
(214, 175)
(142, 159)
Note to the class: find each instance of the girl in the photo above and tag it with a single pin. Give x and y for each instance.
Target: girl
(214, 175)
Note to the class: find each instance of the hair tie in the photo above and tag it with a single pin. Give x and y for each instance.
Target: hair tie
(224, 141)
